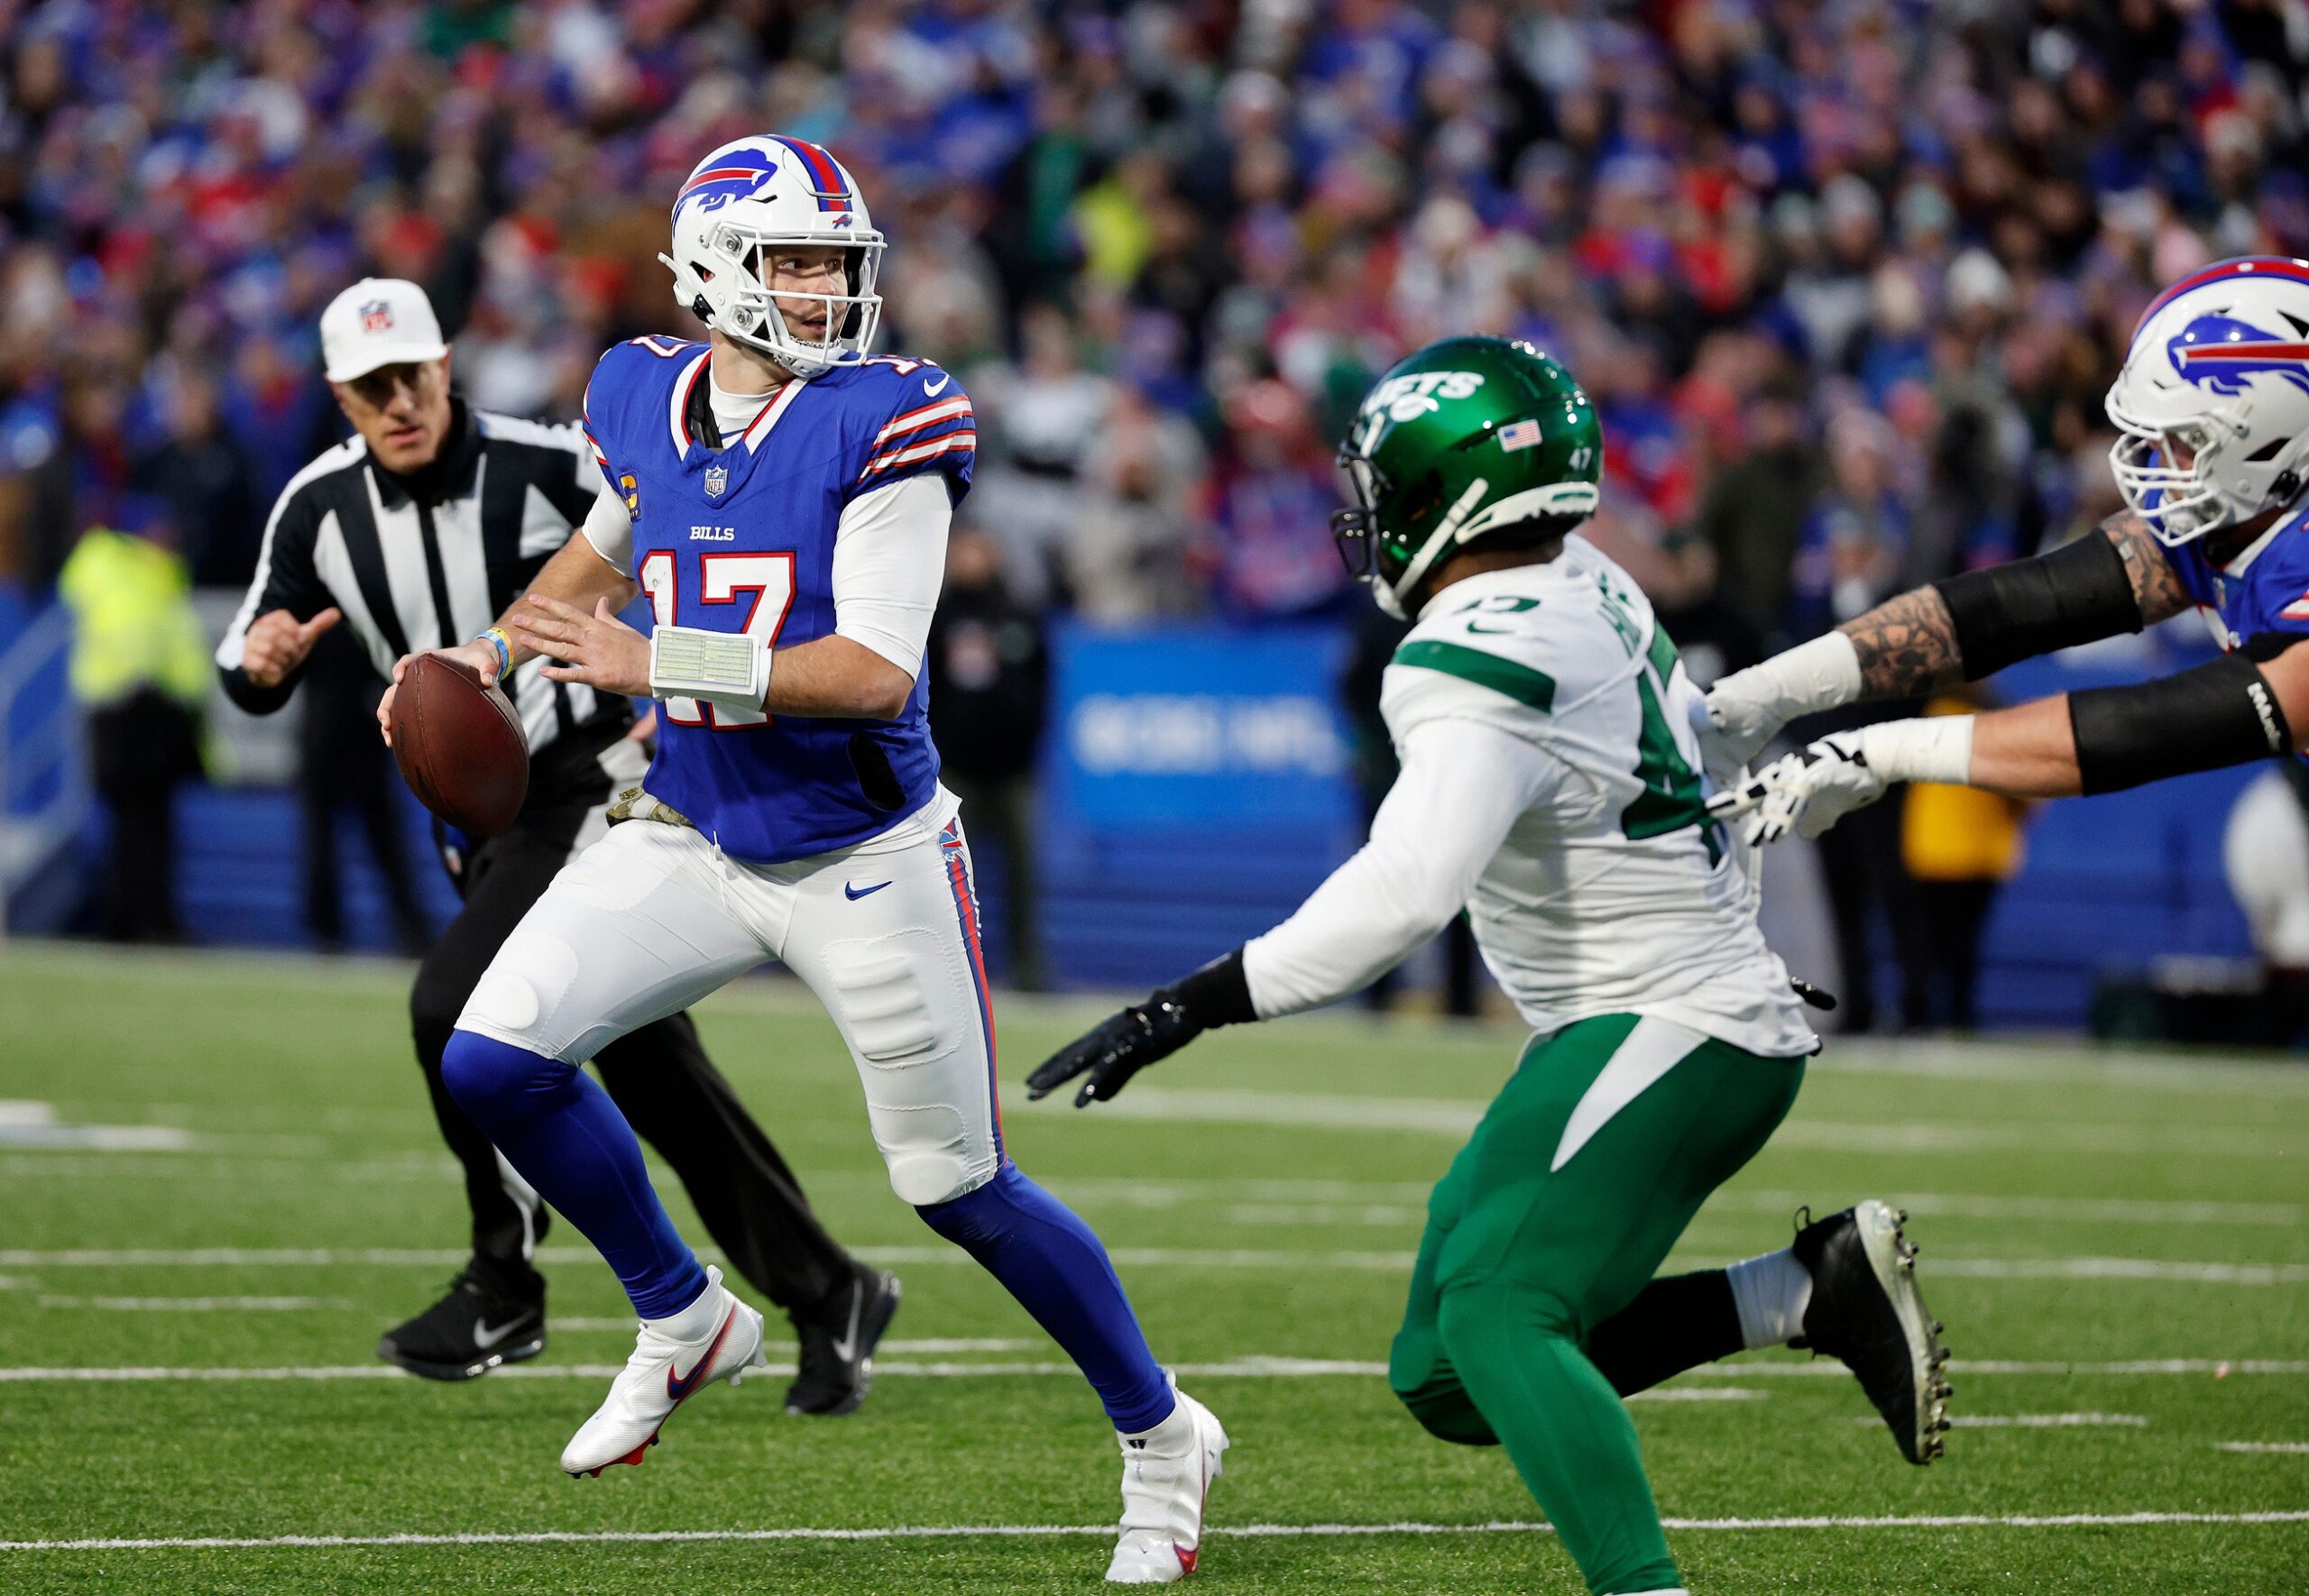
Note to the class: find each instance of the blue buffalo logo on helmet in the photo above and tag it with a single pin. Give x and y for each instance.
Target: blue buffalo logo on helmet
(735, 175)
(2223, 355)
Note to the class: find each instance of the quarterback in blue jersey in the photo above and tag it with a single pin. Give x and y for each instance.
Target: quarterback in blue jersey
(785, 500)
(2212, 409)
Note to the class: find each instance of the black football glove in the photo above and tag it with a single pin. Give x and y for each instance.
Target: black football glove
(1125, 1043)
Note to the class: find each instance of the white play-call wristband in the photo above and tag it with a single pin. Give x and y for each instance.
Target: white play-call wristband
(1937, 749)
(727, 669)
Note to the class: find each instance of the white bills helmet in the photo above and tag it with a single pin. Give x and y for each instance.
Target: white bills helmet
(2220, 363)
(748, 197)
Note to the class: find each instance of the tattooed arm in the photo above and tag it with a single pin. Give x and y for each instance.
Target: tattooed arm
(1909, 645)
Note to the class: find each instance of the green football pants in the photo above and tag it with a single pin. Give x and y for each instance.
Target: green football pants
(1586, 1169)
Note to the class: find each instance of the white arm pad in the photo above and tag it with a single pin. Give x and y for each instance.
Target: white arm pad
(1937, 749)
(728, 669)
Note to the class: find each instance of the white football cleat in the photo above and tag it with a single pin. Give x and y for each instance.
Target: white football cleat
(662, 1374)
(1164, 1488)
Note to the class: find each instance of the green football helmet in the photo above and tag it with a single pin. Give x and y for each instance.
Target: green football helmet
(1457, 442)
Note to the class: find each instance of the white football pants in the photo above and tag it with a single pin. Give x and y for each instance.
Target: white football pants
(654, 917)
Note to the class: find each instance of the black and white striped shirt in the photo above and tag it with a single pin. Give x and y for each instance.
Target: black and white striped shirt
(428, 560)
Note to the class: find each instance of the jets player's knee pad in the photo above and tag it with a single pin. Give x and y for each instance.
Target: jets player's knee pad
(928, 1092)
(1445, 1411)
(518, 1000)
(498, 1083)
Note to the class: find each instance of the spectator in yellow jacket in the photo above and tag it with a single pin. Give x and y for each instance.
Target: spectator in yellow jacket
(1960, 845)
(140, 672)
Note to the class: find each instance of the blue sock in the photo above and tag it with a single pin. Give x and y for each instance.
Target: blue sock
(1057, 1268)
(568, 1139)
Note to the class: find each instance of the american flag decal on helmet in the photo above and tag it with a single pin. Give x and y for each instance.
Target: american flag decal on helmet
(1519, 435)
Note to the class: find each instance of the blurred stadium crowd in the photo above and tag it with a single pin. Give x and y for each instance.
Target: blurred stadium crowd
(1847, 279)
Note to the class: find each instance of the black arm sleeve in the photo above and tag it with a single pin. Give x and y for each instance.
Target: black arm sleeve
(2218, 714)
(285, 579)
(2080, 592)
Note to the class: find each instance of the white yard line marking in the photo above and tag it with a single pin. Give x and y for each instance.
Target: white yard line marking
(197, 1304)
(1246, 1366)
(942, 1344)
(2037, 1421)
(2119, 1268)
(2084, 1210)
(1253, 1367)
(1249, 1367)
(1997, 1269)
(1456, 1117)
(31, 1124)
(1829, 1369)
(908, 1532)
(2262, 1446)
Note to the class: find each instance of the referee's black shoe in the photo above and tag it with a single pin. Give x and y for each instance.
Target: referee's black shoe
(1866, 1310)
(483, 1322)
(836, 1363)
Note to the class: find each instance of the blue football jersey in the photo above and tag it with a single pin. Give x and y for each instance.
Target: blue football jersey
(741, 539)
(2264, 589)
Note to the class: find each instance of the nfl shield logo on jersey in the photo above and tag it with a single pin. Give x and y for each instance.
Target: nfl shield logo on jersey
(717, 477)
(376, 317)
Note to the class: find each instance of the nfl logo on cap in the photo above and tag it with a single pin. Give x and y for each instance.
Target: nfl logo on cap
(379, 321)
(717, 477)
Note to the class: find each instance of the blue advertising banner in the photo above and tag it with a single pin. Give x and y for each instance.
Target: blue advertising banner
(1190, 726)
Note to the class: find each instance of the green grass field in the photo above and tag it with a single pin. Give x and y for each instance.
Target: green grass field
(2099, 1231)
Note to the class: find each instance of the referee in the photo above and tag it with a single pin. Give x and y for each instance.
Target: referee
(416, 533)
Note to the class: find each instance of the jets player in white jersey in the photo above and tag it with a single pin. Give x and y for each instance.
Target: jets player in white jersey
(783, 497)
(1550, 787)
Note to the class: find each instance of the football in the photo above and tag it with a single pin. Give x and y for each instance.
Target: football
(460, 746)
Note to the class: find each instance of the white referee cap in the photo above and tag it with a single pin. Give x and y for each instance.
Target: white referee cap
(379, 321)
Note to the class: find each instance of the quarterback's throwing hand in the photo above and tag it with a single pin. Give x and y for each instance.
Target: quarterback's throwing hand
(1807, 792)
(1124, 1044)
(597, 649)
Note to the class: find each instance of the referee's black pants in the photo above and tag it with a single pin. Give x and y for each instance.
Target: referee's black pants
(659, 1076)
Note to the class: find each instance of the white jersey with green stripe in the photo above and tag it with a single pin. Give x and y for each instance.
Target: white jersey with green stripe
(1612, 892)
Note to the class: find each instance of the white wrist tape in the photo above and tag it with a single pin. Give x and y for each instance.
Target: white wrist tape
(1938, 749)
(728, 669)
(1821, 675)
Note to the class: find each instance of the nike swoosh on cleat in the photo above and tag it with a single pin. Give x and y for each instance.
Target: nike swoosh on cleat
(678, 1388)
(484, 1337)
(846, 1349)
(944, 378)
(855, 893)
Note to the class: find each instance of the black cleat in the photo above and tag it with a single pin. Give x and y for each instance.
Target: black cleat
(478, 1325)
(1866, 1310)
(838, 1342)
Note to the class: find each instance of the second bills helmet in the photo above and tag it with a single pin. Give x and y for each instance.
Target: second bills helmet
(2219, 367)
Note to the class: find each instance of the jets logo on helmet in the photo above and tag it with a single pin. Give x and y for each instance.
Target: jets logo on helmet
(2212, 403)
(1407, 398)
(1422, 488)
(736, 209)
